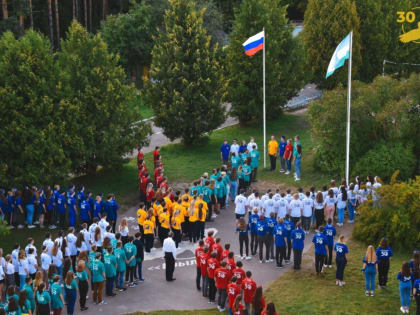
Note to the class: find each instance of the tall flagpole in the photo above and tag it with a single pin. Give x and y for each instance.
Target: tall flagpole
(265, 142)
(348, 112)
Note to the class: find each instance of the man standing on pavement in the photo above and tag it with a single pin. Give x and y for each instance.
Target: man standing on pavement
(282, 147)
(224, 152)
(169, 250)
(273, 147)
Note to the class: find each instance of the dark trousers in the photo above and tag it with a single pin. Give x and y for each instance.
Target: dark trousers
(254, 243)
(198, 278)
(319, 217)
(196, 233)
(418, 303)
(205, 286)
(148, 238)
(295, 220)
(163, 233)
(177, 237)
(170, 266)
(221, 300)
(139, 273)
(62, 219)
(341, 262)
(212, 290)
(280, 255)
(201, 228)
(273, 162)
(109, 285)
(383, 268)
(263, 240)
(289, 248)
(243, 239)
(129, 273)
(319, 262)
(254, 174)
(306, 223)
(297, 258)
(83, 289)
(328, 259)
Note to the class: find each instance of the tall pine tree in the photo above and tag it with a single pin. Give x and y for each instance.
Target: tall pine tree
(326, 24)
(284, 61)
(186, 86)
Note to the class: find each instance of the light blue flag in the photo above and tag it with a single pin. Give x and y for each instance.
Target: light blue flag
(341, 53)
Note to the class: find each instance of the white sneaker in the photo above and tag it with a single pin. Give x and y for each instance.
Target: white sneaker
(342, 283)
(297, 179)
(248, 258)
(103, 303)
(261, 261)
(31, 226)
(337, 282)
(20, 226)
(294, 174)
(329, 266)
(243, 257)
(218, 307)
(402, 309)
(36, 222)
(325, 266)
(287, 173)
(221, 310)
(282, 171)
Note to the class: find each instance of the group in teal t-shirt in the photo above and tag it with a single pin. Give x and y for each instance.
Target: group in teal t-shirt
(17, 312)
(56, 291)
(82, 276)
(72, 285)
(120, 256)
(43, 298)
(98, 270)
(247, 172)
(30, 296)
(110, 265)
(130, 251)
(255, 157)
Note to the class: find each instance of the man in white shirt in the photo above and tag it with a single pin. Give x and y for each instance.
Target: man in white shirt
(86, 235)
(283, 206)
(92, 229)
(71, 244)
(45, 262)
(268, 206)
(296, 208)
(256, 203)
(169, 250)
(240, 205)
(103, 224)
(48, 243)
(251, 145)
(308, 205)
(234, 148)
(32, 263)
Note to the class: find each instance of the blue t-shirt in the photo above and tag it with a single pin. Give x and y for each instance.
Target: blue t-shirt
(369, 264)
(341, 249)
(403, 278)
(243, 232)
(271, 223)
(298, 239)
(111, 209)
(71, 203)
(282, 147)
(61, 203)
(384, 253)
(242, 148)
(330, 232)
(320, 242)
(262, 227)
(253, 220)
(417, 287)
(289, 227)
(280, 234)
(84, 210)
(225, 149)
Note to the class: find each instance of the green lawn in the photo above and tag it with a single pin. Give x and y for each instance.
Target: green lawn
(303, 292)
(145, 111)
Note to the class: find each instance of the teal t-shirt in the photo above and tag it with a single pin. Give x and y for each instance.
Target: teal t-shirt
(235, 160)
(114, 244)
(30, 296)
(43, 298)
(56, 302)
(207, 192)
(98, 270)
(247, 172)
(26, 307)
(244, 157)
(255, 156)
(92, 257)
(295, 152)
(120, 256)
(110, 265)
(82, 276)
(130, 250)
(18, 312)
(71, 286)
(219, 189)
(14, 295)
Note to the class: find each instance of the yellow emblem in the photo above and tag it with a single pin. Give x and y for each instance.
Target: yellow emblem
(405, 18)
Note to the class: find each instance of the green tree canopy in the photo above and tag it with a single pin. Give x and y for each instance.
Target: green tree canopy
(101, 99)
(326, 24)
(33, 123)
(186, 86)
(284, 61)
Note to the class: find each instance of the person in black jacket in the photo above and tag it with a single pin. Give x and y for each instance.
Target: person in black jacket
(139, 257)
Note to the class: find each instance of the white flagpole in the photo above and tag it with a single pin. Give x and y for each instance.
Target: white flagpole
(348, 112)
(265, 142)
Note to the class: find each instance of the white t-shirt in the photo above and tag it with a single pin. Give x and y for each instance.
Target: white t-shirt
(308, 205)
(83, 247)
(240, 204)
(99, 241)
(10, 269)
(45, 261)
(49, 244)
(234, 148)
(110, 235)
(23, 267)
(289, 198)
(301, 196)
(86, 237)
(264, 198)
(336, 191)
(1, 273)
(256, 203)
(27, 249)
(251, 197)
(250, 146)
(15, 254)
(268, 207)
(71, 244)
(330, 201)
(32, 264)
(58, 259)
(295, 208)
(283, 206)
(319, 205)
(92, 229)
(124, 231)
(341, 204)
(3, 262)
(277, 197)
(103, 224)
(375, 187)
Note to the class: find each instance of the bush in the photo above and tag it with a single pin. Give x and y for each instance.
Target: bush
(384, 159)
(395, 216)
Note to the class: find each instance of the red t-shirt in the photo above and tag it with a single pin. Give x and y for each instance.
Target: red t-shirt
(143, 184)
(203, 264)
(224, 255)
(149, 195)
(159, 180)
(230, 265)
(239, 273)
(221, 275)
(239, 311)
(156, 153)
(164, 184)
(288, 151)
(212, 265)
(198, 252)
(156, 172)
(262, 305)
(140, 156)
(219, 249)
(249, 286)
(233, 290)
(208, 242)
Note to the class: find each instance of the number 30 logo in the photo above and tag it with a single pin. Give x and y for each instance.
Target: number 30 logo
(406, 19)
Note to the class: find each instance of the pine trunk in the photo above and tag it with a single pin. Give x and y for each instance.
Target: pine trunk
(57, 23)
(104, 7)
(4, 8)
(31, 16)
(74, 9)
(21, 22)
(50, 22)
(90, 16)
(85, 12)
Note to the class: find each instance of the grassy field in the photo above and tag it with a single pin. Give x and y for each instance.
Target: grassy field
(145, 111)
(303, 292)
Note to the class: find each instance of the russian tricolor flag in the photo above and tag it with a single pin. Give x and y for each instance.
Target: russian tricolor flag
(254, 44)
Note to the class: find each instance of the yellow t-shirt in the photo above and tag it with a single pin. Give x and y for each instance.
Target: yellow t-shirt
(186, 195)
(179, 208)
(205, 206)
(164, 220)
(176, 223)
(169, 204)
(273, 146)
(148, 226)
(185, 208)
(141, 216)
(157, 209)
